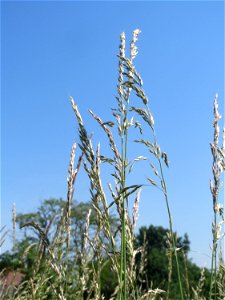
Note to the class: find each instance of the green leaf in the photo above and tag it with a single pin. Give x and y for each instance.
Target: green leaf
(132, 188)
(111, 204)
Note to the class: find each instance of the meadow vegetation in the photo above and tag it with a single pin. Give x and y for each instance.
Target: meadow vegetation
(90, 250)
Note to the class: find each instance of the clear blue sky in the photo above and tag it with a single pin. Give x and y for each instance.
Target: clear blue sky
(51, 50)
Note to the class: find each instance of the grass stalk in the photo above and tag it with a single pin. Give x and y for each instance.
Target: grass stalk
(123, 277)
(171, 230)
(213, 271)
(134, 82)
(164, 189)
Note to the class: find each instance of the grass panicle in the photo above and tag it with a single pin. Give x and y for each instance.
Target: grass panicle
(215, 186)
(73, 256)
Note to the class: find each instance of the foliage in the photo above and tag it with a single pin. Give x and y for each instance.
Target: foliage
(47, 216)
(157, 261)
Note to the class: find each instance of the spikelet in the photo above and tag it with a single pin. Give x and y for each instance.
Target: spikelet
(135, 208)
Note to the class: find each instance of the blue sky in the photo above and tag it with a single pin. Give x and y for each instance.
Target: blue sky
(51, 50)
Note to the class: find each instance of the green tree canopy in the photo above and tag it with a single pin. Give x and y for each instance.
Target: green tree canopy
(47, 218)
(159, 257)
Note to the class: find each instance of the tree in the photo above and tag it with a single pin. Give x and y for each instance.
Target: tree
(47, 218)
(158, 253)
(155, 239)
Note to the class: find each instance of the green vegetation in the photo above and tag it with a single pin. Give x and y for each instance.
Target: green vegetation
(154, 239)
(90, 250)
(160, 267)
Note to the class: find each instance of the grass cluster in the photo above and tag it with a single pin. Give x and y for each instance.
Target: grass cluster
(62, 271)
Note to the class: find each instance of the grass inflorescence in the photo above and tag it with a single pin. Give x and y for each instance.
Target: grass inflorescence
(71, 260)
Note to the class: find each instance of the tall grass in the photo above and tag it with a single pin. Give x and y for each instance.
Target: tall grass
(130, 81)
(215, 186)
(63, 270)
